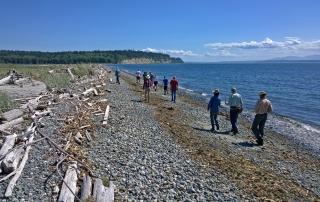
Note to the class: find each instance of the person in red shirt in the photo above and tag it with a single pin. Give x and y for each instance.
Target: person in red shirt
(147, 84)
(173, 88)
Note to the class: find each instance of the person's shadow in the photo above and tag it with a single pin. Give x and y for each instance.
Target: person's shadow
(247, 144)
(208, 130)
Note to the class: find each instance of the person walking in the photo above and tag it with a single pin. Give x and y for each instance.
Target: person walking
(138, 75)
(146, 86)
(145, 74)
(262, 108)
(235, 101)
(118, 74)
(213, 107)
(151, 78)
(165, 85)
(173, 88)
(155, 82)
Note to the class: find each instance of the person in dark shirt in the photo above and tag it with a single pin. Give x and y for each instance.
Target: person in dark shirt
(174, 88)
(165, 85)
(213, 107)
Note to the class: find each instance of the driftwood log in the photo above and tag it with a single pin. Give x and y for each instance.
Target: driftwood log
(86, 187)
(6, 80)
(106, 114)
(19, 170)
(8, 144)
(70, 73)
(11, 161)
(71, 180)
(11, 123)
(12, 114)
(102, 193)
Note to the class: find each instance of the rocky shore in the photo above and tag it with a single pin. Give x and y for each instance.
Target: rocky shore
(165, 151)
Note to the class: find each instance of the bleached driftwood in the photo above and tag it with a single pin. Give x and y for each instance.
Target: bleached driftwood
(102, 193)
(89, 91)
(66, 147)
(70, 73)
(11, 123)
(109, 193)
(71, 180)
(12, 114)
(11, 161)
(106, 114)
(21, 80)
(51, 71)
(82, 127)
(19, 170)
(6, 80)
(40, 114)
(8, 144)
(86, 187)
(98, 190)
(26, 135)
(31, 103)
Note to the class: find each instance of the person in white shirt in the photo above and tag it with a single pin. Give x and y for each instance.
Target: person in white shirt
(155, 82)
(235, 101)
(138, 76)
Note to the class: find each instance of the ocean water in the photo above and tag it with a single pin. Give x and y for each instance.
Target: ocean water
(292, 87)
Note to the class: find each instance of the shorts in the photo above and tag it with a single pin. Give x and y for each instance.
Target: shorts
(165, 87)
(155, 83)
(138, 77)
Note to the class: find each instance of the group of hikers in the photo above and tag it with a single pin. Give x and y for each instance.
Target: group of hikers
(262, 107)
(151, 81)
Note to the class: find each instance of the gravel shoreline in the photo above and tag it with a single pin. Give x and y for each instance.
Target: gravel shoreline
(146, 163)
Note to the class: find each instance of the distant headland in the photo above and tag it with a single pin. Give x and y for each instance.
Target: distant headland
(74, 57)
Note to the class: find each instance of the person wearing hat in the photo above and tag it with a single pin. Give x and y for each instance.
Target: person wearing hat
(262, 108)
(117, 74)
(235, 101)
(146, 86)
(214, 106)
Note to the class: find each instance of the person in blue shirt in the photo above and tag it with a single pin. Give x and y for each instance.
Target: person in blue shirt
(165, 85)
(214, 106)
(235, 100)
(117, 74)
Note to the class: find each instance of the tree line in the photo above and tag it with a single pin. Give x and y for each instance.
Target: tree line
(75, 57)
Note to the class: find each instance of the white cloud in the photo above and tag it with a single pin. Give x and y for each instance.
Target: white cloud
(222, 53)
(267, 43)
(170, 52)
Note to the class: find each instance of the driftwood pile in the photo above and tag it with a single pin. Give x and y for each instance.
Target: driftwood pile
(13, 77)
(88, 102)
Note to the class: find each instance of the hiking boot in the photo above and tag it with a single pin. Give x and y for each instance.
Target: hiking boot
(260, 141)
(212, 129)
(217, 127)
(235, 131)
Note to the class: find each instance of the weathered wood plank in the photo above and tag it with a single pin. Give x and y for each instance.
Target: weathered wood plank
(11, 123)
(19, 170)
(11, 161)
(86, 187)
(71, 180)
(12, 114)
(106, 114)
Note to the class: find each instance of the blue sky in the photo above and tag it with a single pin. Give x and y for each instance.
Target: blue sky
(194, 30)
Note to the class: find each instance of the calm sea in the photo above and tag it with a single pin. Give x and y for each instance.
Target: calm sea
(292, 87)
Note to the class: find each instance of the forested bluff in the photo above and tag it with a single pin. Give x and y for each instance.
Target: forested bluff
(75, 57)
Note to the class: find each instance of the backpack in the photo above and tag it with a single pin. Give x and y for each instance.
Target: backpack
(147, 83)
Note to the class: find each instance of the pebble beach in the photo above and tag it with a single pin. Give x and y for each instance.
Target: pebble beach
(165, 151)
